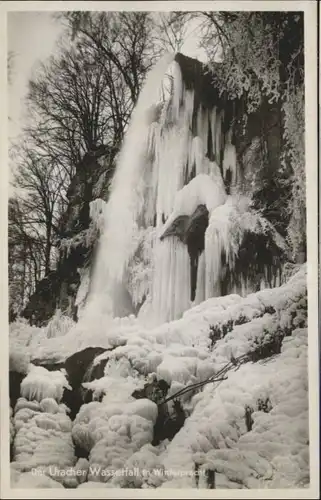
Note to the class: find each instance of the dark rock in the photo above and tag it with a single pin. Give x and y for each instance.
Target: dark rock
(248, 418)
(80, 367)
(167, 425)
(195, 240)
(198, 79)
(80, 452)
(78, 363)
(43, 302)
(177, 228)
(76, 220)
(73, 400)
(15, 379)
(94, 371)
(156, 391)
(210, 479)
(50, 365)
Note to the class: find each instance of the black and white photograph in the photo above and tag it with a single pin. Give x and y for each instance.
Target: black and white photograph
(160, 250)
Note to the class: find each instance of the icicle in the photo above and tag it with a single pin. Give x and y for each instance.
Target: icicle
(222, 237)
(171, 280)
(202, 127)
(201, 279)
(97, 212)
(216, 241)
(188, 107)
(229, 161)
(196, 156)
(151, 173)
(178, 88)
(213, 129)
(172, 159)
(218, 138)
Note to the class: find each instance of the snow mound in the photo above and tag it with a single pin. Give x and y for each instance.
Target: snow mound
(43, 439)
(23, 340)
(273, 453)
(114, 429)
(19, 359)
(27, 480)
(41, 383)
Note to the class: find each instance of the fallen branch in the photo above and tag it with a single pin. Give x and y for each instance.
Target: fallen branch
(253, 356)
(218, 377)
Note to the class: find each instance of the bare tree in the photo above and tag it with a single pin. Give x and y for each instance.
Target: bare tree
(171, 31)
(40, 198)
(79, 104)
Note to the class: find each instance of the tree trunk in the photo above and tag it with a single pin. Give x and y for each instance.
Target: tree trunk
(48, 249)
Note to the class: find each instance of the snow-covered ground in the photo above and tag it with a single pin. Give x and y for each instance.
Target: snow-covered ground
(249, 430)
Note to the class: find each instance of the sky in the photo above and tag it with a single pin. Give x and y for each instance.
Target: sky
(32, 37)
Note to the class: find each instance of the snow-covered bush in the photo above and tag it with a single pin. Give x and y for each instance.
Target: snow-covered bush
(21, 333)
(59, 325)
(139, 273)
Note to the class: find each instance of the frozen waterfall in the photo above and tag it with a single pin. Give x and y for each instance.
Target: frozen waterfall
(170, 181)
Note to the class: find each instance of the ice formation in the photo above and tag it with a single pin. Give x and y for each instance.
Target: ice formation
(59, 325)
(274, 452)
(116, 430)
(176, 157)
(42, 441)
(40, 384)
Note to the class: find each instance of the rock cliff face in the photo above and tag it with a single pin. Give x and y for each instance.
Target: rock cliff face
(257, 138)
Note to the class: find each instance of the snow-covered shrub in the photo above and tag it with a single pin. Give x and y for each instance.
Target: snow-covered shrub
(59, 325)
(294, 133)
(83, 290)
(139, 273)
(97, 209)
(24, 335)
(87, 237)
